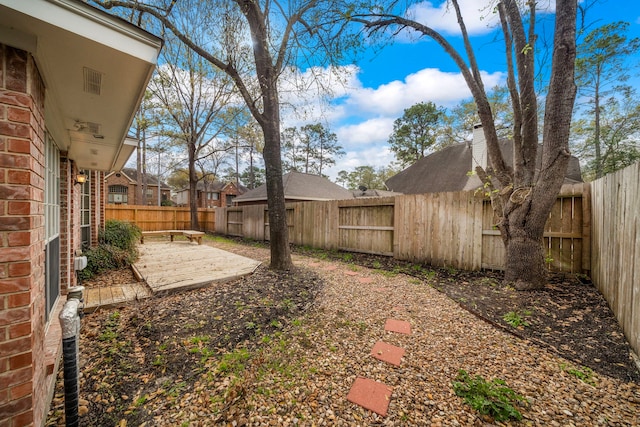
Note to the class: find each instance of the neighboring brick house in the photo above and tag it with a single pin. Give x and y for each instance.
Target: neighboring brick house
(122, 188)
(212, 194)
(71, 78)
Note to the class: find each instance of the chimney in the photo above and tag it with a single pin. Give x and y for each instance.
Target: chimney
(478, 148)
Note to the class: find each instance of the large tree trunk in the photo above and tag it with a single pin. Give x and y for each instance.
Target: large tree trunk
(278, 231)
(522, 234)
(269, 120)
(527, 207)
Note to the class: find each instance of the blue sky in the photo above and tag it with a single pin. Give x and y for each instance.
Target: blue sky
(383, 84)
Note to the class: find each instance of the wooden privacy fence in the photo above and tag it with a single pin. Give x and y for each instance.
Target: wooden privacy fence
(155, 218)
(616, 247)
(441, 229)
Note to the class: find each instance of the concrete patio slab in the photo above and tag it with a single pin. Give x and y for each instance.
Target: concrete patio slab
(171, 266)
(372, 395)
(387, 353)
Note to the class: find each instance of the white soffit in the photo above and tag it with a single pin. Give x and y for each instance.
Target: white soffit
(95, 67)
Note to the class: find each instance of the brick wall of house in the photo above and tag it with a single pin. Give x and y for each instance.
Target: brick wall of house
(114, 179)
(22, 300)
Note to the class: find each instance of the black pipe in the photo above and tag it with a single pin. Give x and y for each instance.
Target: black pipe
(71, 390)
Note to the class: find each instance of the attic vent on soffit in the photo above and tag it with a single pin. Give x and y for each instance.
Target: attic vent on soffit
(92, 81)
(87, 127)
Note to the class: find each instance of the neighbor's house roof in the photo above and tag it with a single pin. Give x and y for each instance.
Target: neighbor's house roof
(132, 175)
(373, 193)
(95, 67)
(216, 186)
(300, 187)
(448, 170)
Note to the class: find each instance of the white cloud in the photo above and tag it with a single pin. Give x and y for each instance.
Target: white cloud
(429, 84)
(480, 16)
(374, 130)
(306, 96)
(362, 117)
(375, 155)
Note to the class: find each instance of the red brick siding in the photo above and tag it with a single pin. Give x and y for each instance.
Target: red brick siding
(24, 383)
(229, 189)
(113, 179)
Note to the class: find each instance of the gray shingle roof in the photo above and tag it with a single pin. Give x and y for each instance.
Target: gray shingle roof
(448, 170)
(215, 186)
(301, 186)
(132, 173)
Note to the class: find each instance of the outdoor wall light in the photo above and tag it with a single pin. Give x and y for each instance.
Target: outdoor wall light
(81, 178)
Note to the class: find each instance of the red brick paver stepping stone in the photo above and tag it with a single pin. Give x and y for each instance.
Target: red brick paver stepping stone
(371, 395)
(331, 268)
(351, 273)
(387, 353)
(314, 264)
(365, 280)
(399, 326)
(380, 289)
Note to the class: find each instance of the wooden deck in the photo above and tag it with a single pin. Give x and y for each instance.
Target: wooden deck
(171, 267)
(178, 265)
(114, 296)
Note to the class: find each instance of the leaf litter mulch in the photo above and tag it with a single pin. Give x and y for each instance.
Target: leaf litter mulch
(193, 355)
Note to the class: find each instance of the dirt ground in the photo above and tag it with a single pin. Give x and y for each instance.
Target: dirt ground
(182, 347)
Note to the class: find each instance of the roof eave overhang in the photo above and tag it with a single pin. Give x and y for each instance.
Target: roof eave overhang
(70, 40)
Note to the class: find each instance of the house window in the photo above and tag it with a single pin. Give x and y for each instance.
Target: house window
(118, 194)
(85, 215)
(213, 196)
(230, 198)
(51, 224)
(149, 192)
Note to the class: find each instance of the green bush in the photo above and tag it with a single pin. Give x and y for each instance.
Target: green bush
(117, 249)
(120, 234)
(489, 398)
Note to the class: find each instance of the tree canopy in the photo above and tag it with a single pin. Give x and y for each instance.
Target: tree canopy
(416, 132)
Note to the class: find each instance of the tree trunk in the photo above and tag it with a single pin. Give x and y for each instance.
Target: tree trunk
(144, 167)
(138, 195)
(269, 120)
(193, 182)
(278, 230)
(526, 208)
(596, 133)
(524, 255)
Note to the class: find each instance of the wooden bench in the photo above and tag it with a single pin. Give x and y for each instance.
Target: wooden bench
(189, 234)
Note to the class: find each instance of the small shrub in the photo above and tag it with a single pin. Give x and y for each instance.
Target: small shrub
(583, 373)
(120, 234)
(516, 319)
(488, 398)
(117, 249)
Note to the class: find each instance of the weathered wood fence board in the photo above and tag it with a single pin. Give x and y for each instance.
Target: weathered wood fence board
(155, 218)
(438, 229)
(615, 260)
(441, 229)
